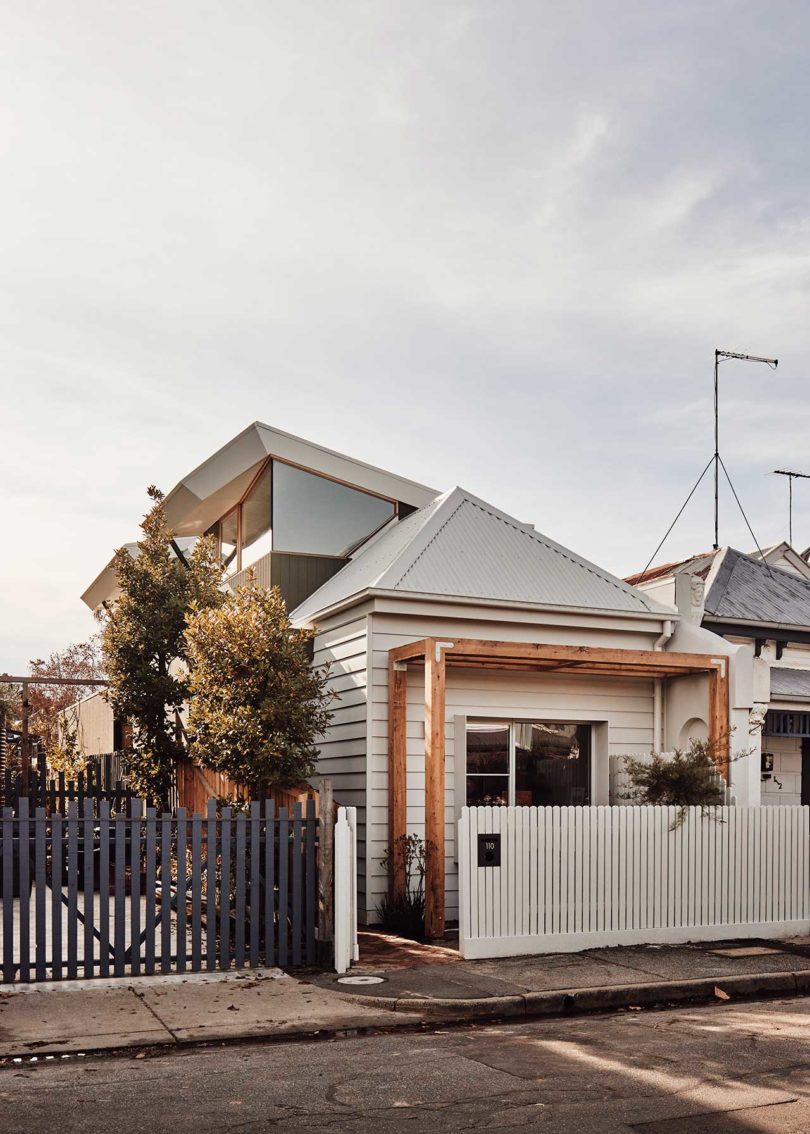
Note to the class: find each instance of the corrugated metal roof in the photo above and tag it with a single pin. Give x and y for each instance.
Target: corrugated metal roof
(750, 589)
(790, 682)
(462, 547)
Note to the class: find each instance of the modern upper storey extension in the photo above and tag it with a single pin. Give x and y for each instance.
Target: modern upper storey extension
(292, 510)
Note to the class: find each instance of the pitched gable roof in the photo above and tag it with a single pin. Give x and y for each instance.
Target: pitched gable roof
(748, 589)
(461, 547)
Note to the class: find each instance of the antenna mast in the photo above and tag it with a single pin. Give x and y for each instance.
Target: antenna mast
(722, 355)
(791, 477)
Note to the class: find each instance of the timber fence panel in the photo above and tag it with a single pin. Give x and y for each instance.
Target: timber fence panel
(283, 885)
(270, 935)
(577, 877)
(239, 890)
(103, 893)
(255, 893)
(311, 878)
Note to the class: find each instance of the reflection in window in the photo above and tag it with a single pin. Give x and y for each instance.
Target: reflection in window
(228, 533)
(487, 765)
(552, 764)
(256, 520)
(538, 764)
(319, 516)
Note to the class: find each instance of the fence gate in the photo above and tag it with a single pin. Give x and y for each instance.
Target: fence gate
(100, 894)
(557, 879)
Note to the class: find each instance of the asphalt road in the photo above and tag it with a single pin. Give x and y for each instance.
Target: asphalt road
(724, 1069)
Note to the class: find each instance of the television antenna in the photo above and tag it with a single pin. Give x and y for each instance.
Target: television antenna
(791, 477)
(717, 460)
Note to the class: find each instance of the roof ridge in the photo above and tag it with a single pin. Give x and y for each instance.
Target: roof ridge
(431, 541)
(569, 556)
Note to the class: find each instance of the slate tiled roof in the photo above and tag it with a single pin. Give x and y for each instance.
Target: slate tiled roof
(748, 589)
(461, 547)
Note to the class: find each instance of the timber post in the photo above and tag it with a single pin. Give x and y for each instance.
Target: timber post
(435, 673)
(326, 871)
(397, 774)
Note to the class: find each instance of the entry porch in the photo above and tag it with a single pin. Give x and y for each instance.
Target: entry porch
(436, 655)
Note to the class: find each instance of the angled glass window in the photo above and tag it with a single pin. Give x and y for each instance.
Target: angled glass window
(228, 534)
(256, 519)
(319, 516)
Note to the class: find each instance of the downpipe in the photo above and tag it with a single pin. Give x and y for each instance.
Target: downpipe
(658, 691)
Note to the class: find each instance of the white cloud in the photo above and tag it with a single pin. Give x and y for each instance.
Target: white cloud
(486, 244)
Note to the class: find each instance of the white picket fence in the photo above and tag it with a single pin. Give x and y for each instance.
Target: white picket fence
(346, 946)
(581, 877)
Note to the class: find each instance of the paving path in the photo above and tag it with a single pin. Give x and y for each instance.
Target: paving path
(711, 1070)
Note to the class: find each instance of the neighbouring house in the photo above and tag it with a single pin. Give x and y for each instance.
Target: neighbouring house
(474, 659)
(761, 600)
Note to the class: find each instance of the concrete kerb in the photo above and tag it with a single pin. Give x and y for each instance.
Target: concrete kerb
(564, 1002)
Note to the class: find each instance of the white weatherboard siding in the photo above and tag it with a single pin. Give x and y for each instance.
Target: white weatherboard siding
(343, 749)
(622, 710)
(93, 721)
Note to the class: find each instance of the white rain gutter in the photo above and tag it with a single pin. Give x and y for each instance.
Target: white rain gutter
(658, 691)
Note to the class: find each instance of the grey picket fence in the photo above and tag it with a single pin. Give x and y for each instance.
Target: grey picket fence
(104, 778)
(98, 894)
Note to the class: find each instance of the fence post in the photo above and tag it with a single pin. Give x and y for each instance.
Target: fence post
(345, 890)
(326, 872)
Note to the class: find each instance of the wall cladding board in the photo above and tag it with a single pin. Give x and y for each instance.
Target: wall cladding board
(343, 750)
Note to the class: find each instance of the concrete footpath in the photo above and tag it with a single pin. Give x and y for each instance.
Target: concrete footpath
(438, 985)
(408, 986)
(159, 1011)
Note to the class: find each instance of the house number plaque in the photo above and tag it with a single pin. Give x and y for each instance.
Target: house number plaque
(489, 850)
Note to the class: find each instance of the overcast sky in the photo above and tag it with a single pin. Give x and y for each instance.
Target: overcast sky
(489, 244)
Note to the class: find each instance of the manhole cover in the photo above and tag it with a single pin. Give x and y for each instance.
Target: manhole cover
(361, 980)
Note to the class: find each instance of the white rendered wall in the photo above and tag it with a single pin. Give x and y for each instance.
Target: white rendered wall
(785, 785)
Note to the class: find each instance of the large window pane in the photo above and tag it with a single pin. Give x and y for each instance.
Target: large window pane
(312, 514)
(256, 517)
(552, 764)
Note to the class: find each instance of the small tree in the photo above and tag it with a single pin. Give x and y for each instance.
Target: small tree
(10, 705)
(257, 705)
(144, 643)
(405, 914)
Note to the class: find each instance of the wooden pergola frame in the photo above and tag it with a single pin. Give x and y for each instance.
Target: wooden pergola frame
(436, 654)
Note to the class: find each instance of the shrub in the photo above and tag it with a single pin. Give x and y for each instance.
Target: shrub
(405, 914)
(687, 778)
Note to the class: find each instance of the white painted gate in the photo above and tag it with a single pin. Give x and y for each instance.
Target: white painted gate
(580, 877)
(346, 947)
